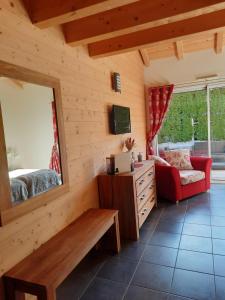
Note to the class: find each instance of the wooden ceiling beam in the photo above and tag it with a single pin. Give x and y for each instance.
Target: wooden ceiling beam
(145, 57)
(133, 17)
(219, 42)
(179, 50)
(211, 22)
(46, 13)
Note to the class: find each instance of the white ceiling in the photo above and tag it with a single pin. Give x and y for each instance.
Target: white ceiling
(171, 70)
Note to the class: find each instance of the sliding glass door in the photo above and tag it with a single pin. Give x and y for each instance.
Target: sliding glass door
(196, 120)
(217, 127)
(186, 124)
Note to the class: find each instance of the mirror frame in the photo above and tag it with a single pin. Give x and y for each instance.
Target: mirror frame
(8, 212)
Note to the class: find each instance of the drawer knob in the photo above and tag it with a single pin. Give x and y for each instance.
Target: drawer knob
(150, 174)
(140, 183)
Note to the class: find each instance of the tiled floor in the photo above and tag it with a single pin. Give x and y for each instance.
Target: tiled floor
(180, 255)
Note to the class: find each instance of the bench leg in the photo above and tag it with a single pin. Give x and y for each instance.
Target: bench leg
(116, 235)
(20, 295)
(11, 292)
(47, 295)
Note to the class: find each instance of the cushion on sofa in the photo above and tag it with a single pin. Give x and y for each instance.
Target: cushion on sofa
(179, 159)
(158, 160)
(190, 176)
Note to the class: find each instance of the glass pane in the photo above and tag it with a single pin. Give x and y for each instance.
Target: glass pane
(217, 114)
(186, 124)
(31, 137)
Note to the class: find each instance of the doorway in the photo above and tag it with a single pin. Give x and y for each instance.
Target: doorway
(196, 120)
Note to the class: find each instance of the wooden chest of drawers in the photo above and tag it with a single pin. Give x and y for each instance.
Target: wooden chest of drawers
(133, 194)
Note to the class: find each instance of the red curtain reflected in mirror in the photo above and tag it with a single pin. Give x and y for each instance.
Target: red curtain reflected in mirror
(55, 158)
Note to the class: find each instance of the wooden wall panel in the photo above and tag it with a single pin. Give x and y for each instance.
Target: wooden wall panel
(87, 95)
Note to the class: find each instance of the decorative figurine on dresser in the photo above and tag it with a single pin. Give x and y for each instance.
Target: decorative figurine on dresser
(132, 193)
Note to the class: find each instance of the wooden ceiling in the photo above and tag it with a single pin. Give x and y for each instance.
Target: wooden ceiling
(158, 28)
(179, 48)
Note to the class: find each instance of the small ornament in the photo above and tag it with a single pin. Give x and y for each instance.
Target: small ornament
(129, 143)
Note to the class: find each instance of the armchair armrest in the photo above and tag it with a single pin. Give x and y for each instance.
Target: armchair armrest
(168, 182)
(203, 164)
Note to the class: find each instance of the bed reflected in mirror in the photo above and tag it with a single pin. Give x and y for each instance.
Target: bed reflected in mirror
(31, 138)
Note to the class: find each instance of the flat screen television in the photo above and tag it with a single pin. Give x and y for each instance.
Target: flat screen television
(120, 119)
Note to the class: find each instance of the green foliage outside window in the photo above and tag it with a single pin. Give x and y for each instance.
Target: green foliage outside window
(186, 107)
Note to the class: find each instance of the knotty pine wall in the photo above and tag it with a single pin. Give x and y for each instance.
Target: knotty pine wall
(87, 94)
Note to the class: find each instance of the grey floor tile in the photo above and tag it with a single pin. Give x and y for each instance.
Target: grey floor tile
(195, 261)
(118, 269)
(218, 232)
(140, 293)
(193, 285)
(195, 243)
(219, 265)
(160, 255)
(92, 263)
(154, 216)
(145, 235)
(132, 251)
(171, 227)
(150, 226)
(172, 219)
(175, 209)
(165, 239)
(103, 289)
(218, 211)
(177, 215)
(200, 198)
(78, 280)
(217, 186)
(217, 204)
(220, 288)
(153, 277)
(219, 247)
(175, 297)
(217, 221)
(157, 249)
(197, 219)
(73, 287)
(197, 230)
(199, 210)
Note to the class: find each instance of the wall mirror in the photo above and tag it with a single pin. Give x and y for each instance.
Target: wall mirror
(33, 168)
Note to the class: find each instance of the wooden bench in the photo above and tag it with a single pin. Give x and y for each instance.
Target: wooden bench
(45, 269)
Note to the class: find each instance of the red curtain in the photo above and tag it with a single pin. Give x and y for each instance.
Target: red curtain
(55, 158)
(158, 99)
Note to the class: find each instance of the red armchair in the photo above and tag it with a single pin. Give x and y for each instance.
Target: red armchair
(168, 180)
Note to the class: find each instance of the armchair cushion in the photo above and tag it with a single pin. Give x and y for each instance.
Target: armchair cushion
(179, 159)
(190, 176)
(158, 160)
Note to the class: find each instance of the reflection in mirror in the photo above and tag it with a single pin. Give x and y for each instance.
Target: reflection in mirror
(31, 137)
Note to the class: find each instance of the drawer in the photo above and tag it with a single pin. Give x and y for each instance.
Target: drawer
(144, 212)
(144, 180)
(145, 194)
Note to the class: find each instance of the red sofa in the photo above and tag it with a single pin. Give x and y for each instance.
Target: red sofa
(169, 184)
